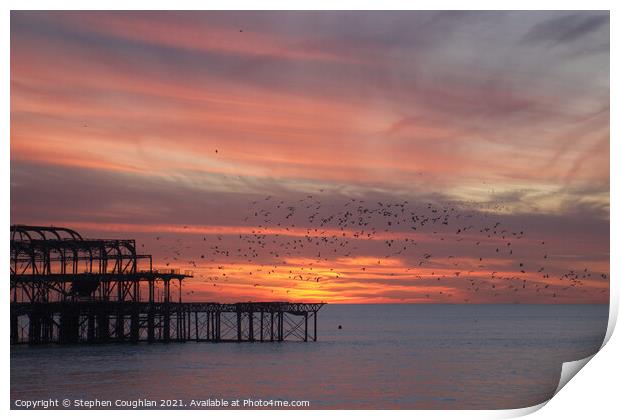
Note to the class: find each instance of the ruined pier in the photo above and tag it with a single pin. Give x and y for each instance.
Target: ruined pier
(66, 289)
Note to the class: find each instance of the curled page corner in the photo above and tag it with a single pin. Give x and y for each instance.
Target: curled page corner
(520, 412)
(569, 370)
(613, 317)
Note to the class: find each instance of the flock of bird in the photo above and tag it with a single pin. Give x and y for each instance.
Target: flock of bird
(319, 241)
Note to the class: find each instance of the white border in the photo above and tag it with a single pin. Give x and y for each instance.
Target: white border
(593, 394)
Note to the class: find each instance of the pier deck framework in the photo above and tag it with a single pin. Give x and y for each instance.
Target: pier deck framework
(66, 289)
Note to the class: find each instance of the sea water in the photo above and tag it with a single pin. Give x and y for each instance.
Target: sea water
(429, 356)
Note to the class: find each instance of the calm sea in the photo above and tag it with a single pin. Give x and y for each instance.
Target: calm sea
(384, 357)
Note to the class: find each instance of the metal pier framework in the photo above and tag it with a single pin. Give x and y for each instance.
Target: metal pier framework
(67, 289)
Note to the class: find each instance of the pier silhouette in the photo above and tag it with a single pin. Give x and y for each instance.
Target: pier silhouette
(67, 289)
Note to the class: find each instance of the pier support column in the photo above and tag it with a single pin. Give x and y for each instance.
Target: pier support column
(90, 332)
(251, 326)
(218, 325)
(238, 325)
(208, 325)
(177, 319)
(166, 324)
(150, 316)
(120, 325)
(181, 324)
(196, 325)
(34, 328)
(150, 324)
(48, 330)
(103, 327)
(280, 326)
(271, 335)
(305, 326)
(166, 290)
(69, 326)
(314, 316)
(151, 291)
(188, 314)
(213, 326)
(166, 310)
(14, 329)
(187, 318)
(134, 327)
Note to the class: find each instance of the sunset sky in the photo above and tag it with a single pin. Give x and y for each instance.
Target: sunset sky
(174, 127)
